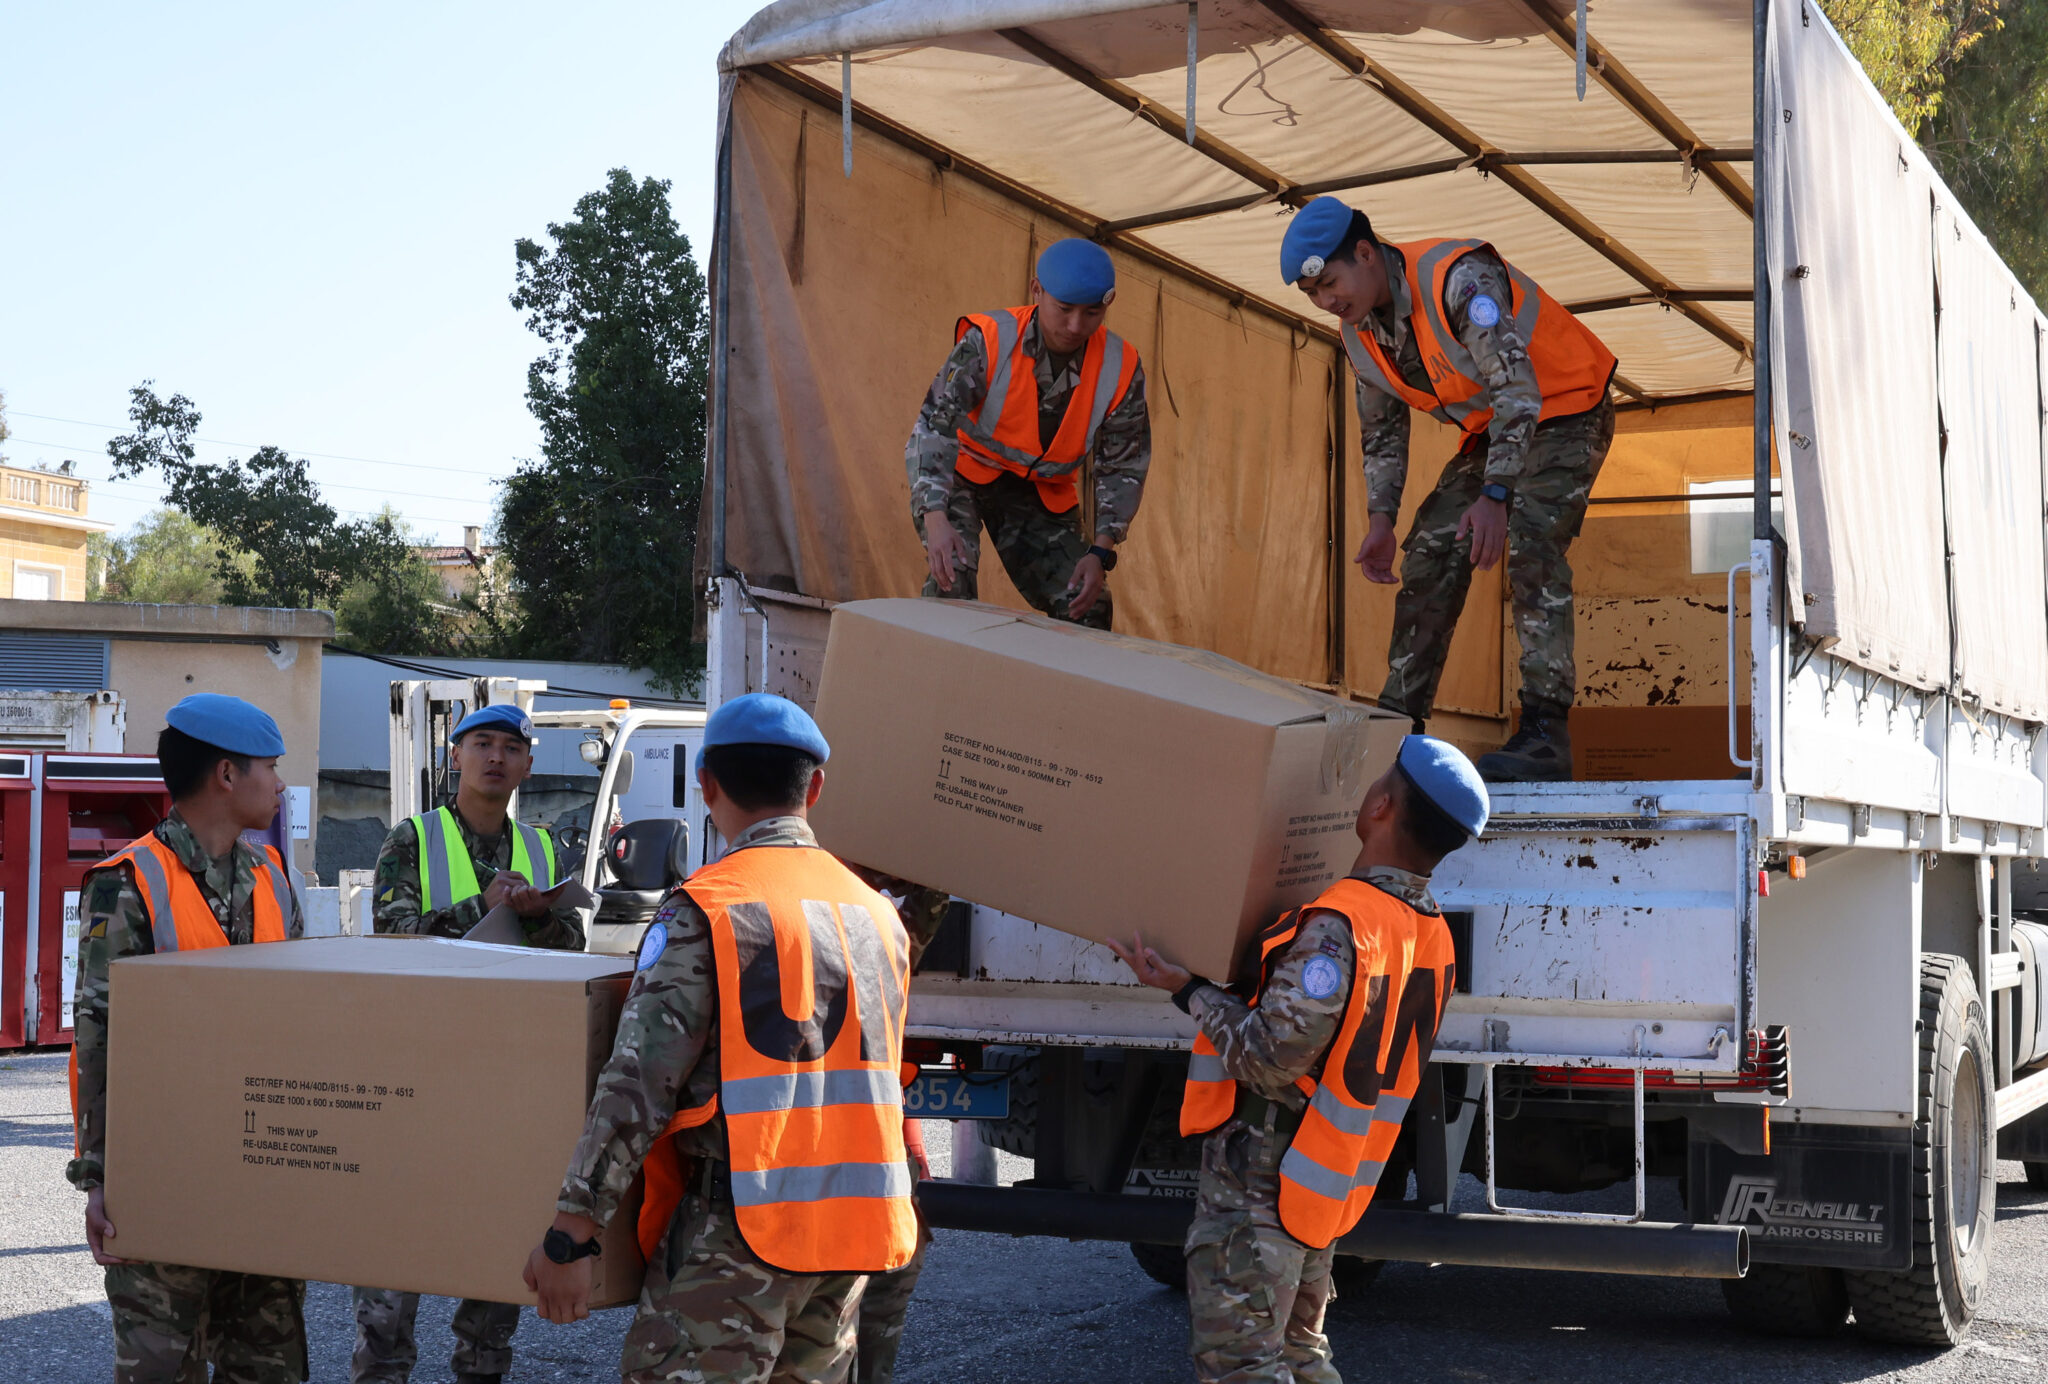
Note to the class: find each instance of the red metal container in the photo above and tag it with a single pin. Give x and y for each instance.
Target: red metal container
(17, 805)
(91, 805)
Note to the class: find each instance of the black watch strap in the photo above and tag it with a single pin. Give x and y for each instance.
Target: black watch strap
(560, 1249)
(1187, 991)
(1106, 555)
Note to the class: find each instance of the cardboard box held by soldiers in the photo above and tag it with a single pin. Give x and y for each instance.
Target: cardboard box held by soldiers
(390, 1112)
(1091, 782)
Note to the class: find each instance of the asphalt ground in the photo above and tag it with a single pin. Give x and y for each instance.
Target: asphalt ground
(993, 1310)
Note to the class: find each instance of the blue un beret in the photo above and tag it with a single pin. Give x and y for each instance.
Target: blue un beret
(503, 716)
(1078, 272)
(227, 723)
(1316, 232)
(762, 718)
(1441, 773)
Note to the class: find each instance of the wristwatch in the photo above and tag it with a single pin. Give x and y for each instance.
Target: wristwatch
(1494, 490)
(1107, 556)
(560, 1249)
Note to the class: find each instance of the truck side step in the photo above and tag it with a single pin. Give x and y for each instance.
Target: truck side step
(1504, 1242)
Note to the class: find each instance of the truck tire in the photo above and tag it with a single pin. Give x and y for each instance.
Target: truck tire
(1788, 1300)
(1955, 1175)
(2037, 1176)
(1016, 1132)
(1166, 1265)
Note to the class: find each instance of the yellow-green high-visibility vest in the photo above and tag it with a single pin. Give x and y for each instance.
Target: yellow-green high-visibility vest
(448, 875)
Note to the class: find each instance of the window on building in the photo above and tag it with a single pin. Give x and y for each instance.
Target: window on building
(37, 583)
(1721, 529)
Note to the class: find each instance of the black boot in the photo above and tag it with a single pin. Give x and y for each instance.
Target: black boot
(1540, 751)
(466, 1377)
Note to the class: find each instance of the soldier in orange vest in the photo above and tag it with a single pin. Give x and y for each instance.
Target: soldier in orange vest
(1303, 1070)
(1450, 328)
(192, 882)
(1027, 398)
(754, 1087)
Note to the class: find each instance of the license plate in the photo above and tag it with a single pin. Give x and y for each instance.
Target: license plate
(947, 1096)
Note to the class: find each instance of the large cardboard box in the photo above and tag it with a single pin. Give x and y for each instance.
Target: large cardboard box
(389, 1112)
(1092, 782)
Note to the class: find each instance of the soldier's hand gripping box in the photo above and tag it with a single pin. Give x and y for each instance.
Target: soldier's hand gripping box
(388, 1112)
(1095, 783)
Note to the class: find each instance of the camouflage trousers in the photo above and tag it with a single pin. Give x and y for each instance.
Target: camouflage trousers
(709, 1310)
(1256, 1295)
(1545, 515)
(386, 1351)
(171, 1322)
(883, 1307)
(1038, 548)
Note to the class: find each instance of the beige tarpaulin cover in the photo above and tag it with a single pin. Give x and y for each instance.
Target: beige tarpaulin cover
(986, 128)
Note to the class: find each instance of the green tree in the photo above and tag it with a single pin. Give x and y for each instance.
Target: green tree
(277, 542)
(1969, 80)
(600, 533)
(166, 559)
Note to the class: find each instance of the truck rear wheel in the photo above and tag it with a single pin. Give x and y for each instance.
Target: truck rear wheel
(1955, 1183)
(1166, 1265)
(1789, 1300)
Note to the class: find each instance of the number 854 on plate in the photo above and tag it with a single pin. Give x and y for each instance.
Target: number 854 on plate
(958, 1096)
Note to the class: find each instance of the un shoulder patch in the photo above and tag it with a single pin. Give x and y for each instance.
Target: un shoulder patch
(652, 945)
(1320, 977)
(1483, 311)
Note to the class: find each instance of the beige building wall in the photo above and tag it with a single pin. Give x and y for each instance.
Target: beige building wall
(158, 654)
(43, 529)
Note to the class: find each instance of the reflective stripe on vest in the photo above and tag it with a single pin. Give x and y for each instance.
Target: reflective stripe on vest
(1372, 1071)
(1004, 434)
(1572, 366)
(1211, 1095)
(448, 875)
(813, 974)
(180, 918)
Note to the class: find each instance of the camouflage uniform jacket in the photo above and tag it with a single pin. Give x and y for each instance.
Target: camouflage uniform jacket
(400, 899)
(1504, 368)
(1123, 444)
(665, 1057)
(1267, 1047)
(114, 923)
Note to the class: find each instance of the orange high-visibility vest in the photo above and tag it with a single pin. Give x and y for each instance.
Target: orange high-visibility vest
(813, 981)
(1373, 1068)
(180, 919)
(1003, 435)
(1572, 366)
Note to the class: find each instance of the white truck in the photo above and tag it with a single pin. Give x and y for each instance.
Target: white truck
(1769, 946)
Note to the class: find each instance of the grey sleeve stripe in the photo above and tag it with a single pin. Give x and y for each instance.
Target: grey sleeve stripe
(440, 889)
(156, 892)
(1204, 1066)
(536, 854)
(1105, 385)
(1358, 1119)
(991, 410)
(760, 1095)
(1327, 1182)
(820, 1183)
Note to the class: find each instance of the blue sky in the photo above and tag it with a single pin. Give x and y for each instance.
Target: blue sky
(302, 218)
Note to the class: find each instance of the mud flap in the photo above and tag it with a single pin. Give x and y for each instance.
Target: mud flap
(1834, 1195)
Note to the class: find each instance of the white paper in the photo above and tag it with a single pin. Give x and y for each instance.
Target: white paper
(299, 809)
(70, 955)
(501, 927)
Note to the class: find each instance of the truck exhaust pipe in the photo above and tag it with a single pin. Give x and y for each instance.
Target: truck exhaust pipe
(1646, 1248)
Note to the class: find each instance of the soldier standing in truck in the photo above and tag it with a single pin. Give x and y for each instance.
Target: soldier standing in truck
(1024, 401)
(1449, 327)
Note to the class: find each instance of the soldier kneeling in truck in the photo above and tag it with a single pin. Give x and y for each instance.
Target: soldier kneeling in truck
(1301, 1075)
